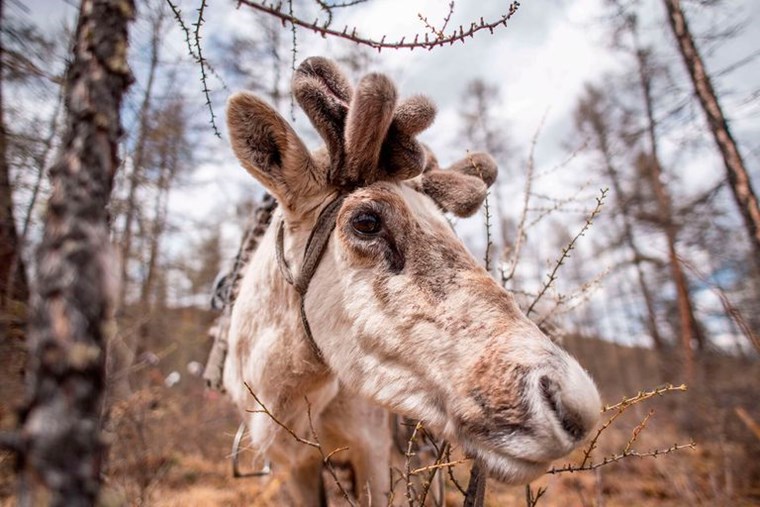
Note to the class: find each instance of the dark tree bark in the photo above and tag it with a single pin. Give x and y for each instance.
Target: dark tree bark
(58, 443)
(738, 178)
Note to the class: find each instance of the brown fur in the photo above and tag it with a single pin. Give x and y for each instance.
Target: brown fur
(369, 118)
(271, 151)
(430, 335)
(456, 193)
(324, 94)
(402, 156)
(480, 165)
(333, 108)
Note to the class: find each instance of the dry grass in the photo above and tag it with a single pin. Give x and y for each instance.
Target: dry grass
(188, 435)
(170, 446)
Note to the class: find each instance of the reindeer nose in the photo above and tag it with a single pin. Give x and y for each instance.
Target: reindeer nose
(574, 400)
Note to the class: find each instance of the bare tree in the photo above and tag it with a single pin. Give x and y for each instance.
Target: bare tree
(157, 19)
(14, 288)
(736, 171)
(170, 146)
(58, 442)
(592, 115)
(689, 328)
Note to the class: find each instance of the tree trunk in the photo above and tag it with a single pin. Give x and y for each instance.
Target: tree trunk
(689, 329)
(738, 177)
(13, 289)
(58, 443)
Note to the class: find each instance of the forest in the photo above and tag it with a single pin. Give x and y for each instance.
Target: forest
(624, 221)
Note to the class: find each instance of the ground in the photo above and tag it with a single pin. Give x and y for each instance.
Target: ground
(170, 446)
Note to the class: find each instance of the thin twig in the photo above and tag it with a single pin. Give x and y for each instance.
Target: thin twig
(637, 431)
(552, 276)
(506, 277)
(189, 45)
(326, 458)
(202, 62)
(433, 469)
(408, 464)
(617, 457)
(567, 303)
(559, 204)
(489, 234)
(279, 423)
(644, 395)
(450, 471)
(531, 500)
(620, 408)
(438, 33)
(315, 443)
(438, 465)
(417, 43)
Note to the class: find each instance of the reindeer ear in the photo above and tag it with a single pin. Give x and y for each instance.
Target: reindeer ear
(270, 149)
(462, 188)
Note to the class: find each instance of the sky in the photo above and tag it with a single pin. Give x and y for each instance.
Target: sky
(541, 62)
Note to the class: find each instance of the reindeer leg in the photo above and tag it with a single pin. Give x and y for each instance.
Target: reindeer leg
(305, 485)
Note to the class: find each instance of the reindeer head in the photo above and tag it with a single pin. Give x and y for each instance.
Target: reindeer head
(399, 310)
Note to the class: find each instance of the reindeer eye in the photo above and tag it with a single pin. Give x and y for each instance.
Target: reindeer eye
(366, 224)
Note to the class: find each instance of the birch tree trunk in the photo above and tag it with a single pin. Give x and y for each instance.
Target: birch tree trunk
(738, 178)
(58, 443)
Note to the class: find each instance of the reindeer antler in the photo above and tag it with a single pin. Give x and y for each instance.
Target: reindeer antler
(461, 188)
(369, 118)
(402, 155)
(369, 138)
(324, 93)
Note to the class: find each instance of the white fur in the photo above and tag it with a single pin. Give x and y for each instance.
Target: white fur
(422, 372)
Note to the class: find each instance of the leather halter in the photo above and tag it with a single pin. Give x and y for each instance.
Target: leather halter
(315, 248)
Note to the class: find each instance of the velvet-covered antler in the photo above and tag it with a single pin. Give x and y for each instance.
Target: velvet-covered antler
(461, 188)
(370, 139)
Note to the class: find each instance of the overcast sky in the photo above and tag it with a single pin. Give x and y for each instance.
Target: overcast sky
(540, 62)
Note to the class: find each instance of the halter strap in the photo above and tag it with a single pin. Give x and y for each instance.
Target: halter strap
(312, 255)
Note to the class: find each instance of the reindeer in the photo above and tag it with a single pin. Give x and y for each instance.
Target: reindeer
(360, 299)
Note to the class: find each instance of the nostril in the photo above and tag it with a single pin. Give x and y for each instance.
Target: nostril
(570, 421)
